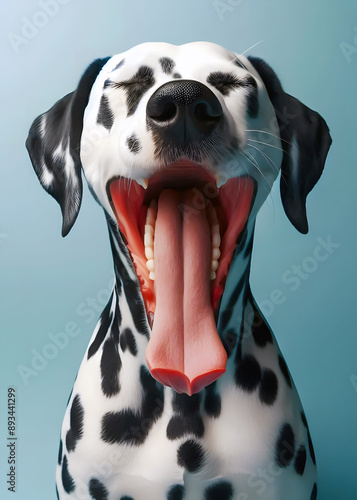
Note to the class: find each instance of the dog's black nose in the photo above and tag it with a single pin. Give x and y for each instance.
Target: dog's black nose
(184, 111)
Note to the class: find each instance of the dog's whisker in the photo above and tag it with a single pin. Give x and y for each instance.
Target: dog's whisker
(269, 133)
(269, 160)
(254, 45)
(267, 144)
(252, 160)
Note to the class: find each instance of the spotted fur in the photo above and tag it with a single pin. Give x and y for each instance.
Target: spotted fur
(125, 436)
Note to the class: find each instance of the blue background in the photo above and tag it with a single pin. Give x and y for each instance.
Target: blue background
(46, 281)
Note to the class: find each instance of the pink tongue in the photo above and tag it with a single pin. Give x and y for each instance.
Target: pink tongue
(185, 351)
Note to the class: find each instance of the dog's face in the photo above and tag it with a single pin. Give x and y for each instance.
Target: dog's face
(158, 104)
(180, 145)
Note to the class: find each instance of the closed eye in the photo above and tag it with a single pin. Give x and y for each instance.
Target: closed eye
(135, 87)
(225, 82)
(144, 76)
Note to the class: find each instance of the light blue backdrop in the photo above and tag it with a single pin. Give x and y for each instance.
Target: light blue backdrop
(47, 282)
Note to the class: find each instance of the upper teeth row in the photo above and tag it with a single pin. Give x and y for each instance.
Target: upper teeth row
(221, 179)
(149, 240)
(151, 215)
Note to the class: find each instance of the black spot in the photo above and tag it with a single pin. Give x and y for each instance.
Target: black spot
(226, 314)
(131, 427)
(176, 75)
(314, 492)
(76, 420)
(179, 426)
(249, 247)
(260, 330)
(284, 370)
(300, 460)
(119, 65)
(175, 492)
(57, 494)
(167, 65)
(127, 340)
(114, 330)
(224, 82)
(136, 87)
(223, 490)
(110, 365)
(122, 427)
(311, 448)
(126, 498)
(105, 321)
(131, 287)
(239, 64)
(133, 144)
(285, 446)
(186, 405)
(105, 115)
(67, 479)
(248, 373)
(60, 452)
(269, 387)
(190, 455)
(213, 401)
(229, 341)
(252, 97)
(137, 308)
(97, 490)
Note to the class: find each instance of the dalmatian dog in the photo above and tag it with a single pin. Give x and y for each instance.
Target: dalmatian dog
(183, 392)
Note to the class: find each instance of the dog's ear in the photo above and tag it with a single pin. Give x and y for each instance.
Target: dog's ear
(53, 144)
(305, 140)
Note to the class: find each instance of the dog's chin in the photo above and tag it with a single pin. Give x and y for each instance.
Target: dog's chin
(181, 232)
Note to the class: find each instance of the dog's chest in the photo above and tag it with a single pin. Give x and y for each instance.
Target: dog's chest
(148, 431)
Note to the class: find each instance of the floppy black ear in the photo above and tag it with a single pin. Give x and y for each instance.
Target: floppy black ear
(53, 145)
(306, 141)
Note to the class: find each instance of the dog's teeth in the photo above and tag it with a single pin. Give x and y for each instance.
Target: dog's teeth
(152, 275)
(151, 214)
(216, 253)
(149, 253)
(213, 275)
(220, 180)
(143, 182)
(216, 238)
(148, 240)
(214, 265)
(149, 229)
(150, 265)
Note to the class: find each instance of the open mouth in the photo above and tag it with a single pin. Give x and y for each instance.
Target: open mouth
(181, 232)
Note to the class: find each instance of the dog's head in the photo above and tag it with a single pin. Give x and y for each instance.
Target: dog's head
(180, 145)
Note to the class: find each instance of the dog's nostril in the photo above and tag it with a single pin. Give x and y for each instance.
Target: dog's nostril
(205, 112)
(162, 110)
